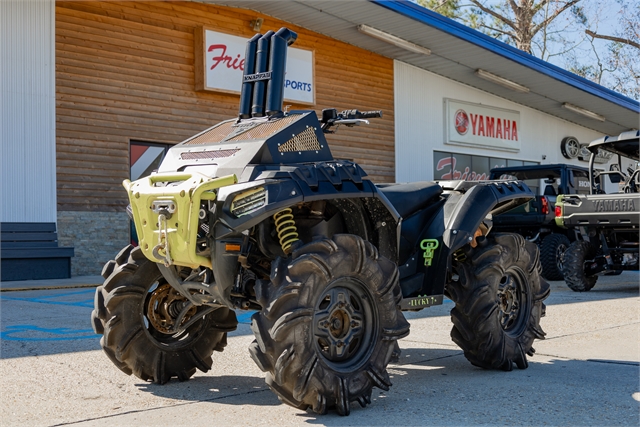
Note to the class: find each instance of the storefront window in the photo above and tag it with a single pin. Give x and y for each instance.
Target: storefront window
(497, 163)
(480, 167)
(471, 168)
(442, 165)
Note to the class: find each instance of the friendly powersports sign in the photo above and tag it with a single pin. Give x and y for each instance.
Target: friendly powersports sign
(220, 67)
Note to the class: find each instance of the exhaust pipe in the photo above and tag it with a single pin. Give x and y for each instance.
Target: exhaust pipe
(264, 73)
(249, 68)
(278, 62)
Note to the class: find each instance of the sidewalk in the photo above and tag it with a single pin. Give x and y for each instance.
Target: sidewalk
(73, 282)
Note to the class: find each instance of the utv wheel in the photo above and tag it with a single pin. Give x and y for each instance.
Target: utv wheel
(329, 324)
(552, 256)
(574, 259)
(134, 311)
(498, 302)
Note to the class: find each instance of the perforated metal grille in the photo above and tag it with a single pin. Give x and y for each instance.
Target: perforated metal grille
(215, 135)
(208, 155)
(304, 141)
(266, 129)
(230, 131)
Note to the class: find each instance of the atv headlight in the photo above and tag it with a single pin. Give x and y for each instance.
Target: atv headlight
(249, 201)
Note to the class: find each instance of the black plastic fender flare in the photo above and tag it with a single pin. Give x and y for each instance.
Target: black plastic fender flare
(464, 214)
(467, 204)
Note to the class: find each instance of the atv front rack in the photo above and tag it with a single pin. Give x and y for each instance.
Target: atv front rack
(166, 212)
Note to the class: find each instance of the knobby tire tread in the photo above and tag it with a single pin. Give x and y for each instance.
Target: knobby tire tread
(476, 324)
(296, 371)
(117, 315)
(574, 259)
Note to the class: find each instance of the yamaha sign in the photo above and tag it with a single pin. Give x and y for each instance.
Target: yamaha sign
(479, 125)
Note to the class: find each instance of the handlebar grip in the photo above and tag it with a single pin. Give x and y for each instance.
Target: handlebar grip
(369, 114)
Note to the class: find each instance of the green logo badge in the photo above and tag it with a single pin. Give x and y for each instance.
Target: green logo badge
(429, 247)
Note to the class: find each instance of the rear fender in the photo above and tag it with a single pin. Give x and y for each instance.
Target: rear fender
(464, 214)
(467, 205)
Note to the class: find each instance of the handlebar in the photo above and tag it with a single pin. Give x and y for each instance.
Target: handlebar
(369, 114)
(355, 114)
(330, 117)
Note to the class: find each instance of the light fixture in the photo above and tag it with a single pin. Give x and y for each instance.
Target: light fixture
(396, 41)
(584, 112)
(501, 81)
(256, 24)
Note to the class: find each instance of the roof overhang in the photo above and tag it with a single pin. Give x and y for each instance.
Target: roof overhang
(457, 52)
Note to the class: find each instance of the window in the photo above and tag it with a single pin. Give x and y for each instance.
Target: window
(472, 168)
(145, 157)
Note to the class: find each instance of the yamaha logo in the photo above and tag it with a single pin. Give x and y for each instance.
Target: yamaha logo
(462, 122)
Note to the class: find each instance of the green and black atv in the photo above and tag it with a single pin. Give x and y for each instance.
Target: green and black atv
(254, 213)
(605, 226)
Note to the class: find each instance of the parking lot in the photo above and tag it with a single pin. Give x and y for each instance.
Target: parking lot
(585, 373)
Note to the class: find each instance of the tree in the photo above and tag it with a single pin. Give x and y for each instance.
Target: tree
(621, 49)
(448, 8)
(566, 33)
(521, 21)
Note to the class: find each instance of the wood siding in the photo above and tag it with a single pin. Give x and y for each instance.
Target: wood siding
(125, 71)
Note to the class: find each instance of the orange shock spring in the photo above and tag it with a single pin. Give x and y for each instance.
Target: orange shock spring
(286, 229)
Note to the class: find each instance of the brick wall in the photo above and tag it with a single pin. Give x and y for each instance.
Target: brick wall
(96, 236)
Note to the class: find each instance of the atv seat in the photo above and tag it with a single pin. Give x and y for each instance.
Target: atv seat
(410, 197)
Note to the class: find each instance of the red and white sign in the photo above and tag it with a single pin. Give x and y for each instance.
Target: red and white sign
(480, 125)
(220, 65)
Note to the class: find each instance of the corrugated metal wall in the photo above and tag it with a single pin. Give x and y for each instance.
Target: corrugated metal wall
(27, 111)
(420, 122)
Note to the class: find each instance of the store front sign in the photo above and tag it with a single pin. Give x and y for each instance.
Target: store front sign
(479, 125)
(220, 66)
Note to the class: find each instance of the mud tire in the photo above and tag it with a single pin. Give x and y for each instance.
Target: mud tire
(552, 252)
(574, 258)
(297, 349)
(130, 340)
(498, 302)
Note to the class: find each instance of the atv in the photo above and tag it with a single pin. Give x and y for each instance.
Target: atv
(604, 226)
(255, 213)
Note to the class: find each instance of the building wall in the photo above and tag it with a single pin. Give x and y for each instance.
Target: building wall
(27, 114)
(420, 125)
(125, 71)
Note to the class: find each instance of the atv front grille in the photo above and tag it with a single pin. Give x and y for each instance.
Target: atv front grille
(208, 155)
(304, 141)
(213, 136)
(266, 129)
(230, 131)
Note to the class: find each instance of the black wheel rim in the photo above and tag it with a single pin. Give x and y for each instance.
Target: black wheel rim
(513, 302)
(165, 304)
(344, 324)
(560, 250)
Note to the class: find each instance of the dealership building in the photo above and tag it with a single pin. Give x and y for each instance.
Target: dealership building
(95, 92)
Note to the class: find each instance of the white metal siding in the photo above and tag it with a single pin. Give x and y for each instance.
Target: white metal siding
(27, 111)
(420, 121)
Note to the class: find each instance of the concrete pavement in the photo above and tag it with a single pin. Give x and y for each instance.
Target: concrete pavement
(586, 372)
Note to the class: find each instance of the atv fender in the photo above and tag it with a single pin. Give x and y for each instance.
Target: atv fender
(463, 213)
(467, 205)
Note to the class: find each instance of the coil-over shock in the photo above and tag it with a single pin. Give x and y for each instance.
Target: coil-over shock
(286, 229)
